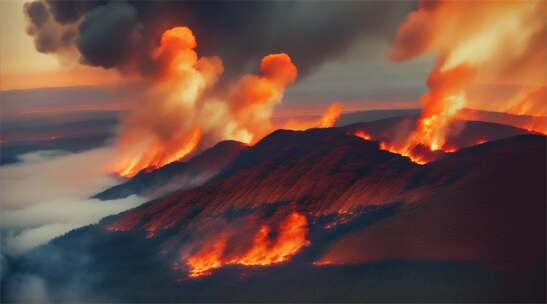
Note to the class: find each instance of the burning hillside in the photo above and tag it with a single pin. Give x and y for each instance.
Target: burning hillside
(240, 218)
(469, 45)
(261, 250)
(184, 109)
(244, 225)
(469, 133)
(439, 204)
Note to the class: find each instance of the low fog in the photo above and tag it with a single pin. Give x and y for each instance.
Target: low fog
(47, 194)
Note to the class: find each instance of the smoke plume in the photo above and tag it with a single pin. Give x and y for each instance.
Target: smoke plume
(482, 43)
(193, 98)
(122, 34)
(183, 109)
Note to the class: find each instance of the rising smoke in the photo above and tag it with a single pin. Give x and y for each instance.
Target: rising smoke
(483, 44)
(121, 33)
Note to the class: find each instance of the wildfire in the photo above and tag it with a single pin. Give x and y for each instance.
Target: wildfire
(466, 41)
(532, 102)
(480, 141)
(362, 135)
(291, 237)
(154, 158)
(330, 117)
(327, 120)
(183, 110)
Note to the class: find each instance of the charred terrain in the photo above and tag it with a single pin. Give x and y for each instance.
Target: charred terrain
(229, 160)
(320, 215)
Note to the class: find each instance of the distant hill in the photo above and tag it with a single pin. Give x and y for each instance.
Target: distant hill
(467, 227)
(519, 121)
(177, 175)
(372, 115)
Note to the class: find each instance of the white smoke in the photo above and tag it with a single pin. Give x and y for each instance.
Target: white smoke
(47, 195)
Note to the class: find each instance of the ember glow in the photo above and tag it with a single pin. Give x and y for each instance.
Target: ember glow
(327, 120)
(362, 135)
(263, 251)
(532, 102)
(183, 109)
(330, 117)
(467, 43)
(419, 154)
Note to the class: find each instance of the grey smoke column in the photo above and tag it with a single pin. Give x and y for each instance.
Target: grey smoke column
(114, 34)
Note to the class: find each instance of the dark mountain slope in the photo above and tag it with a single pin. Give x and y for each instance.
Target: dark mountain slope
(488, 205)
(460, 134)
(451, 230)
(327, 168)
(177, 175)
(317, 171)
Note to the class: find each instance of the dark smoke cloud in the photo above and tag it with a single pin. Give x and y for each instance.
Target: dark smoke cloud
(49, 36)
(37, 13)
(108, 34)
(66, 11)
(112, 34)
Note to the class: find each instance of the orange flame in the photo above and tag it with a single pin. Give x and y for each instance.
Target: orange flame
(330, 116)
(467, 42)
(362, 135)
(327, 120)
(263, 251)
(253, 98)
(176, 116)
(532, 102)
(155, 158)
(480, 141)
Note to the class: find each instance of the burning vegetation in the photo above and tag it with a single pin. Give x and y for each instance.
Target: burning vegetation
(471, 45)
(184, 109)
(263, 249)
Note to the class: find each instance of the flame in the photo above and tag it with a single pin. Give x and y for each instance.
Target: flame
(208, 259)
(254, 97)
(327, 120)
(183, 110)
(406, 151)
(153, 158)
(330, 116)
(362, 135)
(468, 42)
(291, 237)
(531, 102)
(451, 149)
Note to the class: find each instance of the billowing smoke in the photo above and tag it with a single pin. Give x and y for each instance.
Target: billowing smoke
(108, 35)
(183, 108)
(49, 36)
(192, 101)
(530, 102)
(474, 42)
(122, 33)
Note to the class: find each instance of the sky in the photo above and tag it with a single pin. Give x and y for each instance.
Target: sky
(22, 67)
(358, 78)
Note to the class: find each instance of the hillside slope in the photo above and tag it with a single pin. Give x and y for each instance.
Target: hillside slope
(322, 215)
(177, 175)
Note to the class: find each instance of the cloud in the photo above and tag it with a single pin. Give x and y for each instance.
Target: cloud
(29, 289)
(49, 36)
(108, 34)
(47, 195)
(311, 32)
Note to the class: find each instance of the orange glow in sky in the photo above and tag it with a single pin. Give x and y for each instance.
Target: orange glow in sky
(22, 67)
